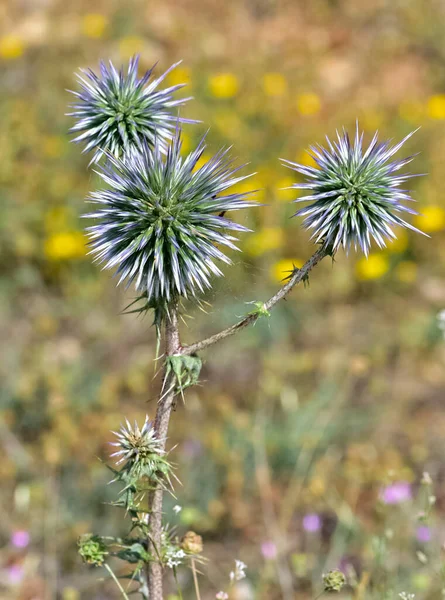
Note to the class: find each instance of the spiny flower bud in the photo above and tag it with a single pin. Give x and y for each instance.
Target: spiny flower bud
(136, 444)
(92, 549)
(354, 194)
(192, 543)
(116, 110)
(161, 222)
(333, 581)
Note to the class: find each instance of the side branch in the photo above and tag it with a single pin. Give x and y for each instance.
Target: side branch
(297, 276)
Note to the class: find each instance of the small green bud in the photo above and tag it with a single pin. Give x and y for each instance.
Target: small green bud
(260, 310)
(333, 581)
(92, 549)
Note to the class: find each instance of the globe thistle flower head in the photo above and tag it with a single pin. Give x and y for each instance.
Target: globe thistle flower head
(354, 194)
(116, 110)
(136, 443)
(162, 221)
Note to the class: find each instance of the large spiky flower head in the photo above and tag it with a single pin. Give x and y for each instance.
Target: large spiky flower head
(354, 194)
(162, 221)
(116, 110)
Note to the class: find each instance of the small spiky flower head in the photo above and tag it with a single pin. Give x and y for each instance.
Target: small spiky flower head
(162, 221)
(334, 581)
(116, 110)
(136, 444)
(354, 194)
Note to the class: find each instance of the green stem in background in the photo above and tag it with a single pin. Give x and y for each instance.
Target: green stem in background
(116, 580)
(297, 276)
(178, 587)
(165, 405)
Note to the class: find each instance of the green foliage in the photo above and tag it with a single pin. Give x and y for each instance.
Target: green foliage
(185, 371)
(92, 549)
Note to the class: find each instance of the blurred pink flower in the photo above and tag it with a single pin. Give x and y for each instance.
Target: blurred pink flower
(423, 533)
(15, 574)
(269, 550)
(311, 522)
(20, 539)
(397, 492)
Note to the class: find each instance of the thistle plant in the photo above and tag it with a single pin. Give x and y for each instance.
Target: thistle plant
(354, 194)
(161, 223)
(116, 111)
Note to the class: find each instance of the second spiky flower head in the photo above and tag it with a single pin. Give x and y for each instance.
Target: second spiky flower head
(354, 194)
(115, 110)
(161, 223)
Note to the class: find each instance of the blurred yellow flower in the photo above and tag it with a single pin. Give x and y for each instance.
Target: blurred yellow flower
(431, 219)
(406, 271)
(308, 104)
(70, 593)
(186, 143)
(202, 161)
(282, 269)
(400, 244)
(274, 84)
(223, 85)
(436, 106)
(130, 45)
(11, 46)
(251, 184)
(265, 240)
(63, 246)
(317, 486)
(94, 25)
(179, 75)
(411, 111)
(373, 267)
(281, 191)
(306, 159)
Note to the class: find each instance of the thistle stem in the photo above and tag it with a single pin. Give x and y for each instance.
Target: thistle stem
(251, 318)
(116, 580)
(165, 405)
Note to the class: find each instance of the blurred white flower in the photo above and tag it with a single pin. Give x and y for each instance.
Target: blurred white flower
(174, 557)
(239, 572)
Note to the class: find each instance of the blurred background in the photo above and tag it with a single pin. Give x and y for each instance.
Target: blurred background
(311, 430)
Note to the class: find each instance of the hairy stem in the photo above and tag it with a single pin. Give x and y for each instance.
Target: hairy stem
(165, 405)
(297, 276)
